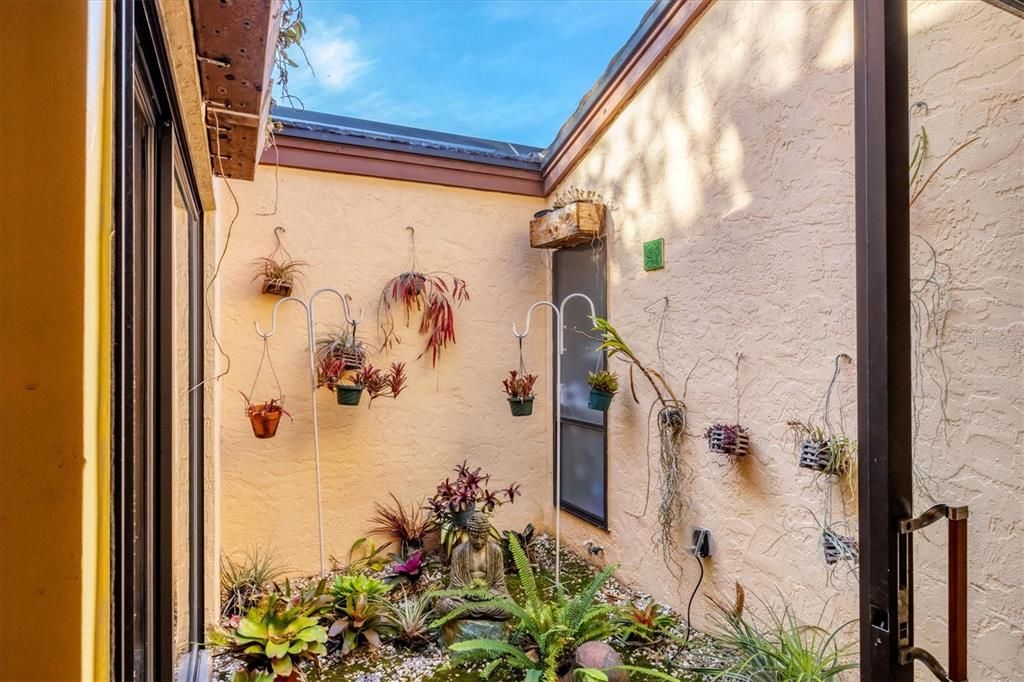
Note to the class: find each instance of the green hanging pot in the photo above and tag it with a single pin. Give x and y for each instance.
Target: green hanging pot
(600, 400)
(348, 395)
(521, 407)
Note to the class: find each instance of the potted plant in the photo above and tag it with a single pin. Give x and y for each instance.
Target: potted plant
(264, 417)
(832, 455)
(519, 388)
(603, 386)
(278, 271)
(337, 353)
(455, 501)
(348, 394)
(731, 440)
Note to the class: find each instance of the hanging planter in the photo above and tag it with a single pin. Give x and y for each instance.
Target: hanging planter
(339, 354)
(731, 440)
(839, 548)
(264, 417)
(832, 455)
(348, 394)
(429, 295)
(815, 454)
(278, 272)
(603, 386)
(519, 388)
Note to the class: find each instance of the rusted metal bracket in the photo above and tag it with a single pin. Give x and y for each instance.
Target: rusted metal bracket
(957, 594)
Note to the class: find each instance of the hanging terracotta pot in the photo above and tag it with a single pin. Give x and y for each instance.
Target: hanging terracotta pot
(265, 418)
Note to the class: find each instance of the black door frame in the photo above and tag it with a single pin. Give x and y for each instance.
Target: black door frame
(142, 608)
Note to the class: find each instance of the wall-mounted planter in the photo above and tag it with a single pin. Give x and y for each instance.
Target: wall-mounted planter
(264, 421)
(521, 407)
(815, 455)
(277, 287)
(600, 400)
(731, 440)
(348, 394)
(570, 225)
(839, 548)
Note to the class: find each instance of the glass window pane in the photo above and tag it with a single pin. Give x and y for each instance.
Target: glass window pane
(583, 483)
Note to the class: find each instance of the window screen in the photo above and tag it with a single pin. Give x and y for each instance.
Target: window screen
(584, 450)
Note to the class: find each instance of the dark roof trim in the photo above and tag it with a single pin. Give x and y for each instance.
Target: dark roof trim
(322, 127)
(334, 156)
(373, 148)
(1015, 7)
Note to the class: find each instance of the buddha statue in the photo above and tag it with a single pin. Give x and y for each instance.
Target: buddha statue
(476, 564)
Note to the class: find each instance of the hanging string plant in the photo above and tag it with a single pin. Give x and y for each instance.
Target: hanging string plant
(433, 296)
(671, 424)
(278, 272)
(265, 416)
(731, 440)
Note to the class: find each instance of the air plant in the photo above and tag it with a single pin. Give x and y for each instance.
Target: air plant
(245, 582)
(380, 384)
(731, 440)
(575, 195)
(337, 353)
(410, 620)
(278, 277)
(430, 296)
(832, 455)
(519, 386)
(671, 421)
(406, 525)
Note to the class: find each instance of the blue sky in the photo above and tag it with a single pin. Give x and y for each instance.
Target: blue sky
(511, 70)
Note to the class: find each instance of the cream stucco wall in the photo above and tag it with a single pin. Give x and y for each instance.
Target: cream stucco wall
(352, 233)
(739, 152)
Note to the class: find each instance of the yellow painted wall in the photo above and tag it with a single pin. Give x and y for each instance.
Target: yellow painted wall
(352, 232)
(739, 152)
(54, 465)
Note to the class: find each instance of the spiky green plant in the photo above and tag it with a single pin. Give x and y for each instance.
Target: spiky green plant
(410, 619)
(274, 638)
(244, 582)
(551, 627)
(643, 626)
(604, 380)
(359, 608)
(776, 648)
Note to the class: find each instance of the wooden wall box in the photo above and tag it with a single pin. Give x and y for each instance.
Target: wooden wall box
(568, 226)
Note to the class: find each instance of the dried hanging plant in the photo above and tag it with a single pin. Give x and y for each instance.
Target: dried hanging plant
(428, 294)
(671, 421)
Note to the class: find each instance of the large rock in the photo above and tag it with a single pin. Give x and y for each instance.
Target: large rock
(466, 629)
(597, 655)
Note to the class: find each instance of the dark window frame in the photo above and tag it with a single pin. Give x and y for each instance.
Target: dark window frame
(578, 512)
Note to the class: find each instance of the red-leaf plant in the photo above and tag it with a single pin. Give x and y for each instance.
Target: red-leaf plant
(380, 384)
(429, 295)
(519, 386)
(263, 409)
(469, 489)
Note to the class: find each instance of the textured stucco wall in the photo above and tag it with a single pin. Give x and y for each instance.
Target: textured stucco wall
(739, 152)
(352, 232)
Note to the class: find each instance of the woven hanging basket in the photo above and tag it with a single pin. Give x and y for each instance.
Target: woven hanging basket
(839, 548)
(815, 455)
(277, 287)
(735, 444)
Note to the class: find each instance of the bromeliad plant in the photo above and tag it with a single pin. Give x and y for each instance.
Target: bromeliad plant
(380, 384)
(552, 627)
(429, 295)
(455, 500)
(643, 626)
(519, 389)
(527, 540)
(359, 606)
(603, 387)
(408, 526)
(273, 639)
(409, 569)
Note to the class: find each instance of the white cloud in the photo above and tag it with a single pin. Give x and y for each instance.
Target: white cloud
(336, 56)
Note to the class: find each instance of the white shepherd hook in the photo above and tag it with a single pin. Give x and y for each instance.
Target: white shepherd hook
(559, 314)
(311, 341)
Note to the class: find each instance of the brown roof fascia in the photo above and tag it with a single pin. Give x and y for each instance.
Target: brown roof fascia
(335, 157)
(608, 101)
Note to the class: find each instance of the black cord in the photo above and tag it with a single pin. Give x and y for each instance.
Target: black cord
(689, 604)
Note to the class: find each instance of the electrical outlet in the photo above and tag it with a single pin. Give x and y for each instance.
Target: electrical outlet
(701, 542)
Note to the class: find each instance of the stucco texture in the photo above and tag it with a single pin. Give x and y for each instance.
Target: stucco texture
(352, 233)
(739, 152)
